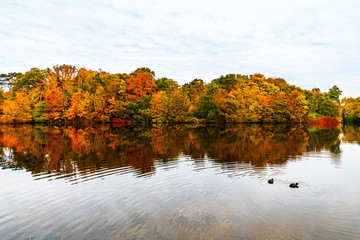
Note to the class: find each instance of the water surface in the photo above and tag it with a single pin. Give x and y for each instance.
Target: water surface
(179, 182)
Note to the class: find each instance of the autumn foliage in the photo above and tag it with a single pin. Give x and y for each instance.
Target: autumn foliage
(139, 85)
(65, 93)
(327, 122)
(351, 109)
(83, 151)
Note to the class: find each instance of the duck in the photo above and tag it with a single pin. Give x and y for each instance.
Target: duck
(271, 181)
(294, 185)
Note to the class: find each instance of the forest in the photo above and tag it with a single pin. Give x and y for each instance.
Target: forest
(65, 93)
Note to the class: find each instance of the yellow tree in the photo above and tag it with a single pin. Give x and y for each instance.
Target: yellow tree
(178, 107)
(99, 105)
(265, 110)
(17, 110)
(351, 109)
(298, 106)
(230, 105)
(115, 90)
(63, 75)
(58, 85)
(85, 77)
(79, 106)
(115, 85)
(251, 93)
(281, 111)
(54, 106)
(114, 107)
(158, 106)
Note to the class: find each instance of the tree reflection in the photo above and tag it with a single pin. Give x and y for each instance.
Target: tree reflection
(78, 152)
(351, 133)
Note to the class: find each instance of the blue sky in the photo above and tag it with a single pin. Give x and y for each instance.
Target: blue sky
(308, 43)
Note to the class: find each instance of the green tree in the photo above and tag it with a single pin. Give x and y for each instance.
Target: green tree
(137, 110)
(167, 85)
(334, 93)
(30, 80)
(226, 82)
(329, 107)
(6, 79)
(143, 69)
(207, 109)
(40, 111)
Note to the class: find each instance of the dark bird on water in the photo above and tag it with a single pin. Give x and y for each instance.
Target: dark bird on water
(294, 185)
(271, 181)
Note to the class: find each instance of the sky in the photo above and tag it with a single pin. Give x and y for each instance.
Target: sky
(308, 43)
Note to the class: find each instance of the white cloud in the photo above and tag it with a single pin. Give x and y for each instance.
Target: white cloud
(310, 44)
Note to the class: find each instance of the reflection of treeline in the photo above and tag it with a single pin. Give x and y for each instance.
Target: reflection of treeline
(351, 133)
(259, 145)
(43, 149)
(320, 139)
(87, 150)
(65, 150)
(264, 144)
(66, 93)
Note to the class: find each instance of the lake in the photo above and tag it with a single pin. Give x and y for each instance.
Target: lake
(179, 182)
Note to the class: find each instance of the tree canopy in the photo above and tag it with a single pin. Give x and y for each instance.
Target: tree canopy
(66, 93)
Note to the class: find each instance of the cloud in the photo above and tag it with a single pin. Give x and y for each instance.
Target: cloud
(310, 44)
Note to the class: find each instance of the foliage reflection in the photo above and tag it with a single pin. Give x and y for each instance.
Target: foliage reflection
(69, 152)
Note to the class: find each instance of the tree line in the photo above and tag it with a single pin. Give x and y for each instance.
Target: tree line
(65, 93)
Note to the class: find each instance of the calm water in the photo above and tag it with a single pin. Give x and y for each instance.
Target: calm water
(179, 183)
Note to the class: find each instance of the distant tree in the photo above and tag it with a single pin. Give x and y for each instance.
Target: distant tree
(178, 107)
(143, 69)
(315, 90)
(55, 103)
(30, 80)
(159, 102)
(334, 93)
(257, 78)
(278, 82)
(167, 85)
(137, 110)
(226, 82)
(17, 110)
(80, 105)
(281, 111)
(298, 106)
(7, 79)
(230, 107)
(140, 84)
(207, 109)
(39, 111)
(63, 74)
(351, 109)
(329, 107)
